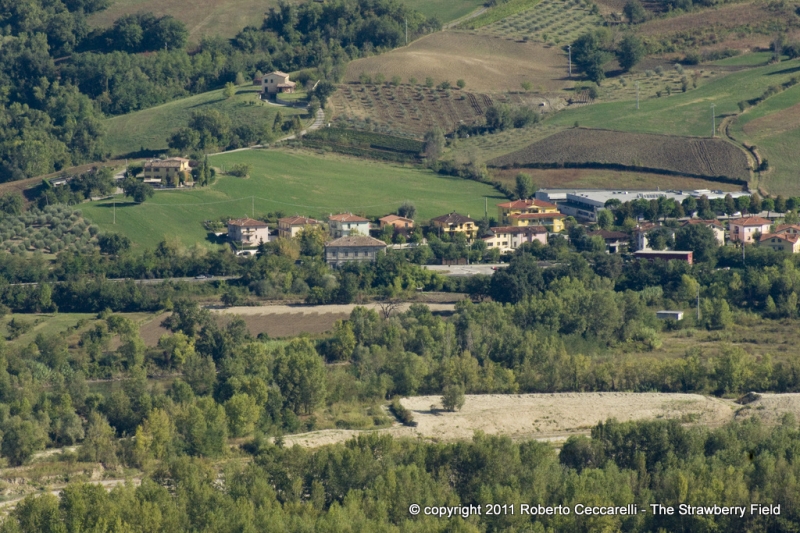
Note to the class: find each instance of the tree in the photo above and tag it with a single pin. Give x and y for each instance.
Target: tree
(699, 239)
(461, 84)
(730, 205)
(755, 203)
(429, 82)
(12, 203)
(589, 54)
(242, 413)
(21, 438)
(136, 189)
(407, 210)
(660, 238)
(300, 375)
(113, 243)
(605, 219)
(780, 204)
(630, 51)
(323, 91)
(100, 445)
(523, 187)
(635, 12)
(229, 91)
(453, 397)
(434, 144)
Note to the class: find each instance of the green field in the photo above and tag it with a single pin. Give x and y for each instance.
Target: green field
(149, 129)
(45, 324)
(686, 113)
(294, 182)
(444, 10)
(553, 21)
(499, 12)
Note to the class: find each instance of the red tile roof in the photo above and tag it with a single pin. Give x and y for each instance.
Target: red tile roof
(751, 221)
(703, 222)
(247, 223)
(357, 241)
(452, 218)
(524, 204)
(783, 227)
(784, 236)
(347, 217)
(298, 221)
(392, 218)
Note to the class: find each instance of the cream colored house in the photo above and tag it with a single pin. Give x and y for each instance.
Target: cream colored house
(744, 229)
(163, 169)
(787, 229)
(344, 224)
(248, 232)
(518, 207)
(396, 221)
(353, 248)
(289, 227)
(455, 223)
(509, 238)
(781, 242)
(276, 82)
(552, 221)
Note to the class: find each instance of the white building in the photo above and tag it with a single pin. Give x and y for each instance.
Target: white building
(344, 224)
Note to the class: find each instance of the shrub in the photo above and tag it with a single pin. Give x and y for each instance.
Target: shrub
(240, 170)
(402, 414)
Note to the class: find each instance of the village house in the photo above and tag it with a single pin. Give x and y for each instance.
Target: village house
(455, 223)
(345, 224)
(248, 232)
(744, 229)
(781, 242)
(396, 221)
(616, 241)
(353, 248)
(276, 82)
(787, 229)
(518, 207)
(289, 227)
(713, 225)
(552, 221)
(162, 170)
(509, 238)
(640, 235)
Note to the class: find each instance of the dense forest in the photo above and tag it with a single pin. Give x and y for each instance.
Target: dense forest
(370, 483)
(59, 78)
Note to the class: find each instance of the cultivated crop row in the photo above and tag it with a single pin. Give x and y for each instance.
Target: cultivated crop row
(552, 21)
(693, 156)
(49, 230)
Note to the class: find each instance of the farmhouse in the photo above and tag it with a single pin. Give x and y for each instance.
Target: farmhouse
(745, 229)
(276, 82)
(248, 232)
(289, 227)
(508, 238)
(523, 206)
(713, 225)
(353, 248)
(345, 224)
(552, 221)
(396, 221)
(455, 223)
(664, 255)
(616, 241)
(163, 169)
(781, 242)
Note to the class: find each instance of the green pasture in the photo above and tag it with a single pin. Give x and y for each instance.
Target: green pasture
(293, 182)
(499, 12)
(752, 59)
(46, 324)
(686, 113)
(149, 129)
(444, 10)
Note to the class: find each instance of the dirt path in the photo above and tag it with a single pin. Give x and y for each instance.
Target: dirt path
(545, 417)
(321, 309)
(469, 16)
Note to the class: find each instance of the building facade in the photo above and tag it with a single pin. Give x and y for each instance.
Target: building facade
(289, 227)
(248, 232)
(509, 238)
(518, 207)
(353, 248)
(396, 221)
(345, 224)
(552, 221)
(781, 242)
(276, 82)
(164, 169)
(745, 229)
(455, 223)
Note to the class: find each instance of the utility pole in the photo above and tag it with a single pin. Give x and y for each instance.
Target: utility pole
(406, 31)
(698, 303)
(637, 95)
(569, 58)
(713, 122)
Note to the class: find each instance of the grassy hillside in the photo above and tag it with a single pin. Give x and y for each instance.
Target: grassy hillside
(292, 182)
(148, 129)
(686, 113)
(444, 10)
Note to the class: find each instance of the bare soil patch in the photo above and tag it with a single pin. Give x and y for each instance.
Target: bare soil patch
(729, 16)
(487, 63)
(771, 408)
(551, 417)
(153, 330)
(583, 178)
(692, 156)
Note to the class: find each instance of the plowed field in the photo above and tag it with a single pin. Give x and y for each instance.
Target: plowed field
(691, 156)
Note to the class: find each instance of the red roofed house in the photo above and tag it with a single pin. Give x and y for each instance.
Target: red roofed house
(396, 221)
(787, 229)
(345, 224)
(552, 221)
(743, 229)
(713, 225)
(288, 227)
(276, 82)
(508, 238)
(518, 207)
(781, 242)
(248, 232)
(455, 223)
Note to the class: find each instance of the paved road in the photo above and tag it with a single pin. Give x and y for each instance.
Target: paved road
(466, 270)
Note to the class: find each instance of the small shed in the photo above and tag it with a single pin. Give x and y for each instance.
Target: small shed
(669, 315)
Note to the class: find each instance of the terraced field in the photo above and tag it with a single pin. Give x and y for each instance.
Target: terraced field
(680, 155)
(552, 21)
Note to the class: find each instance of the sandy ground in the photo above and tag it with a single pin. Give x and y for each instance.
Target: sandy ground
(771, 407)
(547, 417)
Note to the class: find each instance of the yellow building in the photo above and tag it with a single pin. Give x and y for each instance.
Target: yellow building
(455, 223)
(164, 169)
(781, 242)
(519, 207)
(552, 221)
